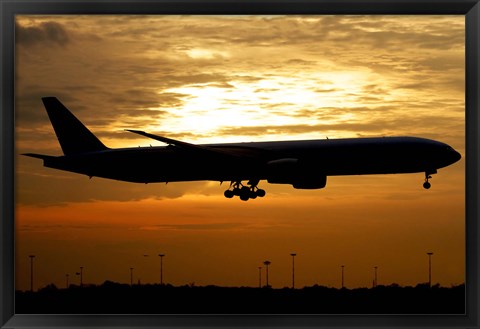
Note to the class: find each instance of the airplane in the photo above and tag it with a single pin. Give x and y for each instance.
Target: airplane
(304, 164)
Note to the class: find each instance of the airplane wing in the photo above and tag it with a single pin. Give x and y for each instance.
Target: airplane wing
(191, 147)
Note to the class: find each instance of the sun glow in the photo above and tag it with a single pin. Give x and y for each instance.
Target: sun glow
(270, 102)
(200, 53)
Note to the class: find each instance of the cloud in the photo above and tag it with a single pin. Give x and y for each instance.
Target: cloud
(405, 124)
(193, 227)
(285, 77)
(135, 98)
(44, 186)
(46, 227)
(48, 33)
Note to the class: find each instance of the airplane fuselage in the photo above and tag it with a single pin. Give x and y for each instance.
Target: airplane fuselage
(332, 157)
(304, 164)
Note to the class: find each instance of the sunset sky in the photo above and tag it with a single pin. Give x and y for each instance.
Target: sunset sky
(206, 79)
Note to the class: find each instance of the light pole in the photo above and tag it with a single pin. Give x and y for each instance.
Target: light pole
(266, 263)
(161, 268)
(429, 269)
(143, 270)
(293, 269)
(343, 266)
(131, 276)
(259, 276)
(31, 271)
(81, 276)
(375, 277)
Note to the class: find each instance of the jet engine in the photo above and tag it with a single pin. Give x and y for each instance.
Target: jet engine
(292, 171)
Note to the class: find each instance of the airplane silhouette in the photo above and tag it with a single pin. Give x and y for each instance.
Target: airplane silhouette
(303, 164)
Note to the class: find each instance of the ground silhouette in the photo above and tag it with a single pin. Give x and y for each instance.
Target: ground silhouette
(116, 298)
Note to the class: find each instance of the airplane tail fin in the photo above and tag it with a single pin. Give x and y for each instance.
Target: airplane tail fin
(73, 136)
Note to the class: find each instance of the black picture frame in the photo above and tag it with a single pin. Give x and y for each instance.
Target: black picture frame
(10, 8)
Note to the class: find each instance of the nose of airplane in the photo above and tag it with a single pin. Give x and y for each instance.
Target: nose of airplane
(452, 156)
(447, 156)
(455, 156)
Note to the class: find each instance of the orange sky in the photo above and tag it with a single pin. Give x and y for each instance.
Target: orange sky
(241, 78)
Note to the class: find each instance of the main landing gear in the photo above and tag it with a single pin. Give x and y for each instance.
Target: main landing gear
(428, 174)
(244, 192)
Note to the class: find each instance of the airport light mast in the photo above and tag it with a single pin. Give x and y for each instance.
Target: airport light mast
(259, 276)
(293, 269)
(81, 276)
(31, 271)
(161, 268)
(430, 268)
(266, 263)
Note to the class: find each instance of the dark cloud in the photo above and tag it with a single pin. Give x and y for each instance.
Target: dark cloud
(375, 88)
(29, 108)
(221, 85)
(382, 32)
(44, 186)
(328, 90)
(47, 33)
(406, 124)
(125, 135)
(196, 227)
(278, 130)
(43, 228)
(246, 78)
(266, 90)
(298, 61)
(443, 62)
(196, 78)
(138, 98)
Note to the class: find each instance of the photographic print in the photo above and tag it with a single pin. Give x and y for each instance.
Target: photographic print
(285, 164)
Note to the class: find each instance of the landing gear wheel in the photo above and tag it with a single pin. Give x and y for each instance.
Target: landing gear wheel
(244, 192)
(427, 184)
(261, 193)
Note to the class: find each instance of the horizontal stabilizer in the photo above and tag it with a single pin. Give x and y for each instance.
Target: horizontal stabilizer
(38, 156)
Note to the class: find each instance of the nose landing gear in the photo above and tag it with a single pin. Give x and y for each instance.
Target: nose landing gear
(244, 192)
(426, 184)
